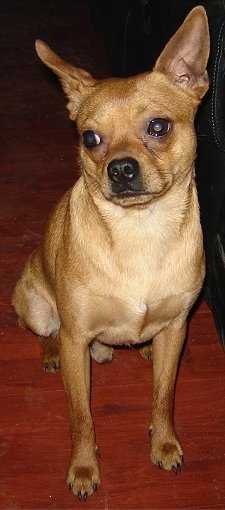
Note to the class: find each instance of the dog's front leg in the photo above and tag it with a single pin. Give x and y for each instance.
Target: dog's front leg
(83, 471)
(166, 451)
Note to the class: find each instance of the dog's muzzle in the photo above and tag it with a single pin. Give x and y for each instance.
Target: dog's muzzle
(124, 175)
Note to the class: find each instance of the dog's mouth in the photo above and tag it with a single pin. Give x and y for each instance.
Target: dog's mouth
(129, 193)
(128, 197)
(131, 197)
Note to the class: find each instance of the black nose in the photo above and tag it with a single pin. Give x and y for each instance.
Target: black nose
(123, 171)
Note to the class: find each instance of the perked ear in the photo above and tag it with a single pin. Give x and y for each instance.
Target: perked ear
(185, 57)
(75, 82)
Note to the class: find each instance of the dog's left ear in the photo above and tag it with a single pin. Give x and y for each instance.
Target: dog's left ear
(185, 57)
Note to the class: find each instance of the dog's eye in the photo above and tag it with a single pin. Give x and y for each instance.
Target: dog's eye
(159, 127)
(91, 139)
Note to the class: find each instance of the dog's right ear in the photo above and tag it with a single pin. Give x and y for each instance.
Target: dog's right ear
(75, 82)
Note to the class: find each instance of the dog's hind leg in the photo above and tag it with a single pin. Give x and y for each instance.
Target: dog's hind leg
(37, 311)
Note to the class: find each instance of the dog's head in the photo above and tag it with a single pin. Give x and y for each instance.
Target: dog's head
(137, 134)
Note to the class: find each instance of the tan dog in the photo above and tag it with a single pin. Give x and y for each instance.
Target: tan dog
(122, 259)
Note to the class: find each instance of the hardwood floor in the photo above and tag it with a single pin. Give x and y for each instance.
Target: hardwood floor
(38, 163)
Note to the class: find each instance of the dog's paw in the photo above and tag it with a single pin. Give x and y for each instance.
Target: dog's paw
(51, 361)
(167, 454)
(83, 480)
(146, 351)
(101, 353)
(51, 365)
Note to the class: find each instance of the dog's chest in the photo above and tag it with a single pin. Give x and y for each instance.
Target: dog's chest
(130, 322)
(137, 288)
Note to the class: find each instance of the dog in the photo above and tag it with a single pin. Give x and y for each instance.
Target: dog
(122, 259)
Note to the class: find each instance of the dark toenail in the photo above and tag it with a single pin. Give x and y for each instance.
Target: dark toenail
(82, 496)
(97, 452)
